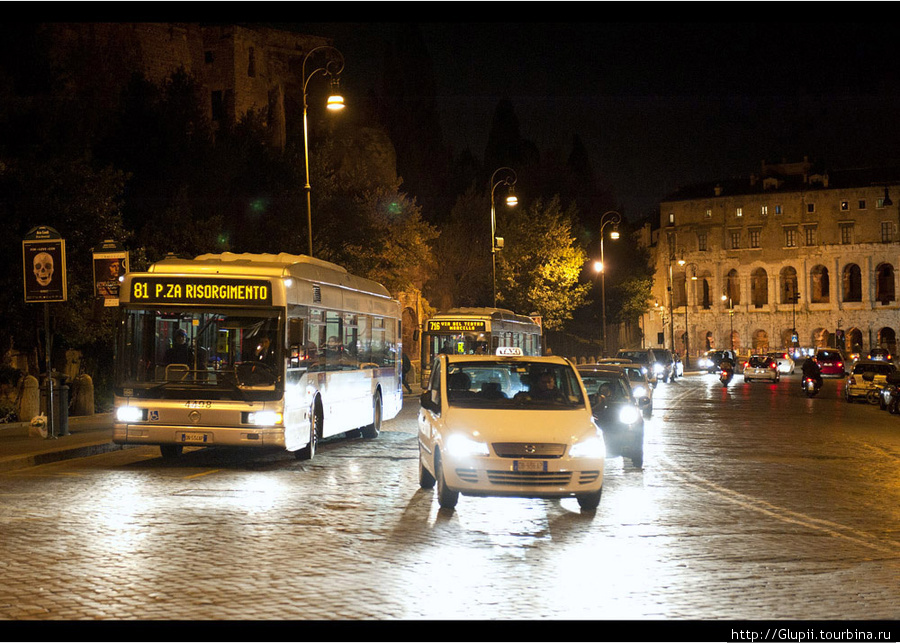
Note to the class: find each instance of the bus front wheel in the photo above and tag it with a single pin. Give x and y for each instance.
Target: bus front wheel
(315, 429)
(372, 430)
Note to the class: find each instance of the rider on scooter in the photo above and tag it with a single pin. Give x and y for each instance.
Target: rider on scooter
(811, 369)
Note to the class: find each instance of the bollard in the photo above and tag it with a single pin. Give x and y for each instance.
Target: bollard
(83, 395)
(59, 418)
(30, 404)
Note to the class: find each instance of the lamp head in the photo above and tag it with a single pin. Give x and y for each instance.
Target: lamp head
(335, 99)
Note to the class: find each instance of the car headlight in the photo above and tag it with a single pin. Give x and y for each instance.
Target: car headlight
(461, 446)
(658, 368)
(628, 415)
(264, 418)
(640, 391)
(129, 414)
(593, 447)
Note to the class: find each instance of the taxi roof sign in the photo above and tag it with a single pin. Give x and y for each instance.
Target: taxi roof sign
(509, 351)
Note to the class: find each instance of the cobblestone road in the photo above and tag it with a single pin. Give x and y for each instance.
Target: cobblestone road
(730, 518)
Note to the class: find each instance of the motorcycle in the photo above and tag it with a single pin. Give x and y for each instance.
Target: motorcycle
(811, 386)
(725, 376)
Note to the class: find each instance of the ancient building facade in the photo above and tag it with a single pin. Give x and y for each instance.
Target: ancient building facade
(792, 257)
(239, 68)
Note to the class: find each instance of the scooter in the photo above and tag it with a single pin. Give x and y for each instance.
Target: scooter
(725, 376)
(811, 386)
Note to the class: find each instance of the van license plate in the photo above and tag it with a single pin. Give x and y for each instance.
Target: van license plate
(195, 437)
(530, 465)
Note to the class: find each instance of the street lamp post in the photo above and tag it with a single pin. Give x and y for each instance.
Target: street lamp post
(614, 218)
(731, 319)
(687, 332)
(496, 244)
(333, 68)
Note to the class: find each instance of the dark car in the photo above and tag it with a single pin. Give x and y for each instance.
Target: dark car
(831, 361)
(880, 354)
(616, 411)
(713, 360)
(646, 357)
(666, 360)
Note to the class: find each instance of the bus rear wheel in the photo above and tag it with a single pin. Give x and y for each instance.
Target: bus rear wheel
(372, 430)
(315, 429)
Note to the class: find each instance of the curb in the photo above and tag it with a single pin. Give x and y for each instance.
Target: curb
(24, 461)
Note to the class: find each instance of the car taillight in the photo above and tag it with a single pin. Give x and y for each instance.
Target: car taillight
(773, 366)
(840, 364)
(746, 364)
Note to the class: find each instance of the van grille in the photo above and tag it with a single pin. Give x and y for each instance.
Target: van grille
(528, 450)
(529, 478)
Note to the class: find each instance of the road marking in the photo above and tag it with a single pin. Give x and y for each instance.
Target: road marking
(200, 475)
(781, 513)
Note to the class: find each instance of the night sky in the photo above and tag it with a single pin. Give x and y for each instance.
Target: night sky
(660, 105)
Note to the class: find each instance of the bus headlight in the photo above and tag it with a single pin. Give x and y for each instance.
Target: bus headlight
(461, 446)
(129, 414)
(264, 418)
(593, 447)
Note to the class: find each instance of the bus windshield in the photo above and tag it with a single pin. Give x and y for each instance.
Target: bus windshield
(233, 354)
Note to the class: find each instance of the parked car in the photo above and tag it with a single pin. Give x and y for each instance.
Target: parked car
(831, 362)
(713, 359)
(509, 426)
(641, 387)
(784, 361)
(616, 411)
(647, 358)
(879, 354)
(867, 379)
(761, 367)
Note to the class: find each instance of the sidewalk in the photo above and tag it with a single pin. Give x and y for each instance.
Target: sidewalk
(88, 435)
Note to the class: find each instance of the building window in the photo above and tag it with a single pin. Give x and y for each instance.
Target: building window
(852, 283)
(754, 238)
(846, 233)
(887, 231)
(708, 213)
(739, 212)
(764, 210)
(862, 204)
(759, 288)
(701, 242)
(819, 285)
(810, 207)
(810, 234)
(778, 209)
(790, 237)
(884, 283)
(735, 239)
(879, 202)
(845, 205)
(671, 218)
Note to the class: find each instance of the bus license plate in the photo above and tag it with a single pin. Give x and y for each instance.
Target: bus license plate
(195, 437)
(530, 466)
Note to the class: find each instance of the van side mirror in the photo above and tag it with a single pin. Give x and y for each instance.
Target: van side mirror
(428, 403)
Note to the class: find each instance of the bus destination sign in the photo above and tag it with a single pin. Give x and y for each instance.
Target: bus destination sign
(456, 326)
(200, 290)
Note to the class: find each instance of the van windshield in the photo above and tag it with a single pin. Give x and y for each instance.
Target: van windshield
(509, 384)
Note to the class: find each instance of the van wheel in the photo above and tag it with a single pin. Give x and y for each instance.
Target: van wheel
(589, 501)
(447, 498)
(372, 430)
(426, 480)
(170, 451)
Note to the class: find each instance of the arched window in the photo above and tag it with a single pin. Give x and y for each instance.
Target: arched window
(759, 288)
(851, 281)
(884, 283)
(819, 285)
(789, 284)
(733, 287)
(705, 299)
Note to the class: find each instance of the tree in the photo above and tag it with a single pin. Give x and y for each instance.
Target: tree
(538, 269)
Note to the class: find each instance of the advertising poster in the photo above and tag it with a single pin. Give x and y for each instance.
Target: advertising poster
(110, 263)
(44, 265)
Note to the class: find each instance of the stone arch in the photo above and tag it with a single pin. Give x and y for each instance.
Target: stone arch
(819, 285)
(759, 288)
(884, 283)
(733, 287)
(710, 341)
(820, 338)
(887, 338)
(851, 283)
(854, 339)
(760, 341)
(788, 284)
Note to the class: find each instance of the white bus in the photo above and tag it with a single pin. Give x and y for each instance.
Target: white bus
(253, 350)
(473, 331)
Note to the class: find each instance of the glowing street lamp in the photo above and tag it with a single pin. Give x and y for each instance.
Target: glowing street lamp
(614, 218)
(332, 68)
(497, 243)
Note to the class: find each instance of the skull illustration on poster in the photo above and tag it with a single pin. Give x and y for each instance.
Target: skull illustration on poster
(43, 268)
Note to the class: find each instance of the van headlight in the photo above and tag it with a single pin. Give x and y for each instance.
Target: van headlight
(628, 415)
(461, 446)
(640, 391)
(593, 447)
(658, 369)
